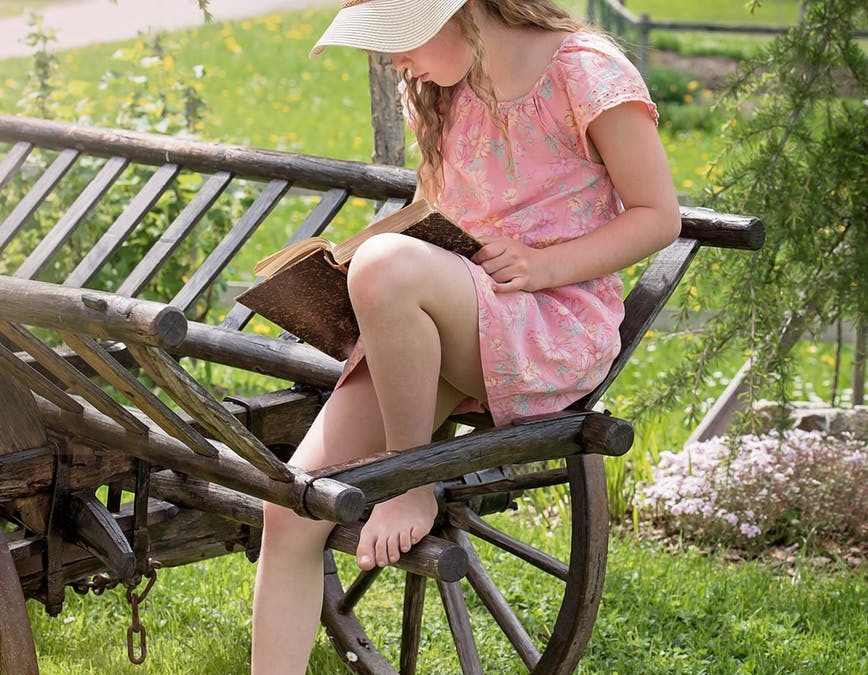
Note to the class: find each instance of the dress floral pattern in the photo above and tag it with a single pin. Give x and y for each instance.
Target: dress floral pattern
(540, 350)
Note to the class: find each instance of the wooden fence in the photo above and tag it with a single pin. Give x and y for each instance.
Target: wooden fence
(613, 17)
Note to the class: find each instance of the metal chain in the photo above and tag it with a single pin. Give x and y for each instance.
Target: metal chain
(136, 628)
(101, 583)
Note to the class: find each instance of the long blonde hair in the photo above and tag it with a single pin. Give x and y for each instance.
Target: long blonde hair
(430, 103)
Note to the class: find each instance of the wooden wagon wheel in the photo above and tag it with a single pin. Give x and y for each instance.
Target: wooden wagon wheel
(581, 582)
(17, 651)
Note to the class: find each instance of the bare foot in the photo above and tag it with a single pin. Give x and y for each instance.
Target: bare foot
(395, 526)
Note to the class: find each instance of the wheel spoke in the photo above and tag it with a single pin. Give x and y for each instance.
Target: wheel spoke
(414, 600)
(529, 481)
(494, 601)
(459, 625)
(463, 518)
(357, 589)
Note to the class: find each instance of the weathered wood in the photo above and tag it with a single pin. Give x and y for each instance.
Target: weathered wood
(31, 201)
(19, 419)
(29, 473)
(105, 315)
(386, 114)
(411, 623)
(74, 380)
(93, 528)
(279, 417)
(529, 481)
(723, 230)
(74, 216)
(259, 354)
(495, 603)
(13, 161)
(130, 217)
(344, 630)
(198, 402)
(316, 496)
(188, 536)
(116, 375)
(314, 224)
(356, 591)
(35, 381)
(548, 437)
(17, 649)
(172, 237)
(589, 538)
(223, 253)
(463, 518)
(315, 173)
(459, 625)
(431, 557)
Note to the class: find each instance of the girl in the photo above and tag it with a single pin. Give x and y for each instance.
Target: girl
(538, 136)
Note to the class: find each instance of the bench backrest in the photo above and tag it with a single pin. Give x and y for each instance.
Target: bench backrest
(103, 155)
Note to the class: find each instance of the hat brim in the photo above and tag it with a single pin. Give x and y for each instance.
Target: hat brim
(387, 26)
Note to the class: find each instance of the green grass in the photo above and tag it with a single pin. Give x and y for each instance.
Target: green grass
(660, 613)
(18, 7)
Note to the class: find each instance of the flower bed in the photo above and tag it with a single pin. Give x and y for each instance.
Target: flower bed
(755, 491)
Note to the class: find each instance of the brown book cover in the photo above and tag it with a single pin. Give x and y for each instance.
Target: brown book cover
(304, 289)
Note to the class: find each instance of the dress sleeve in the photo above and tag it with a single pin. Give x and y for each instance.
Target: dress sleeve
(598, 76)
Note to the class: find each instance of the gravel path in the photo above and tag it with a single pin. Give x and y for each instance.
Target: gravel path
(83, 22)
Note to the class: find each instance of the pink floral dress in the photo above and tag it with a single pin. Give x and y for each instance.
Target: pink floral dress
(543, 350)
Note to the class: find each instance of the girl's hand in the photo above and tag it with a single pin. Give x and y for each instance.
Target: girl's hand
(512, 264)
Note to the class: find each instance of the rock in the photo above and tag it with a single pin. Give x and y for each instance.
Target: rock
(813, 416)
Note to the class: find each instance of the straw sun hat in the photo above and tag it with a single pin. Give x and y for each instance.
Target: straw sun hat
(387, 25)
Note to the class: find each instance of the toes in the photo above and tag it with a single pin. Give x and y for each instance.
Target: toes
(393, 548)
(365, 551)
(405, 540)
(381, 551)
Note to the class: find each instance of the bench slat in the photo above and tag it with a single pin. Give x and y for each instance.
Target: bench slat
(60, 368)
(317, 220)
(36, 382)
(31, 201)
(131, 216)
(118, 376)
(214, 418)
(642, 305)
(13, 161)
(73, 217)
(230, 244)
(175, 234)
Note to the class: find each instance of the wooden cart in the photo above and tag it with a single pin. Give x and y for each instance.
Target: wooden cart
(198, 466)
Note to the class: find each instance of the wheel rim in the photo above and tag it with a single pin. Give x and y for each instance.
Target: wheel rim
(580, 582)
(17, 651)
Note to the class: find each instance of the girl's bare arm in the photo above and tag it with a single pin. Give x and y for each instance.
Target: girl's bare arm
(626, 139)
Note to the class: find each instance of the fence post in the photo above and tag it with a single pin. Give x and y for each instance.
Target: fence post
(859, 362)
(591, 14)
(644, 45)
(386, 116)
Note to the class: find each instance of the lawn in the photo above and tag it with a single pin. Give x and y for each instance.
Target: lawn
(661, 613)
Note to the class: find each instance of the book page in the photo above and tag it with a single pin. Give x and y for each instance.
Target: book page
(396, 222)
(290, 254)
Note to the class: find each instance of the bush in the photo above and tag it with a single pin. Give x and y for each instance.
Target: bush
(763, 490)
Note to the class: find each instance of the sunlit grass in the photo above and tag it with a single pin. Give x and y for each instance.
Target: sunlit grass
(660, 613)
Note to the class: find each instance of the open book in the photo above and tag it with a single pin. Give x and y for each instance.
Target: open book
(304, 289)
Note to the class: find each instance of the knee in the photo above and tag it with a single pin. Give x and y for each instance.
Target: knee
(385, 268)
(284, 528)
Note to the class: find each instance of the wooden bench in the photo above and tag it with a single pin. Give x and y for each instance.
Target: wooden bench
(199, 466)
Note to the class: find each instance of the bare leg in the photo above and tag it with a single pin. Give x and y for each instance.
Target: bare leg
(417, 311)
(289, 581)
(287, 597)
